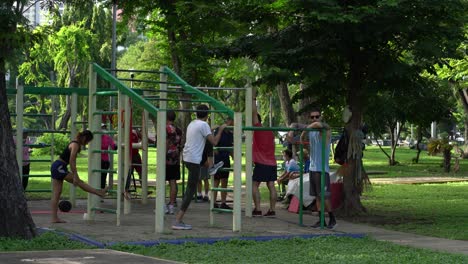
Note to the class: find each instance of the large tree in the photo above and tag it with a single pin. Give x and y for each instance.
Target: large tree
(15, 218)
(352, 50)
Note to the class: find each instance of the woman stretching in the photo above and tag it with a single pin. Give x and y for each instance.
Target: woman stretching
(59, 172)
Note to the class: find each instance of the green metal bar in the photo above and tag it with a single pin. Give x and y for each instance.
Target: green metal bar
(39, 190)
(37, 160)
(37, 115)
(301, 183)
(98, 170)
(105, 151)
(223, 148)
(221, 210)
(37, 145)
(112, 132)
(105, 113)
(222, 189)
(190, 110)
(37, 175)
(124, 89)
(47, 131)
(55, 90)
(322, 180)
(148, 81)
(213, 102)
(107, 93)
(107, 210)
(255, 128)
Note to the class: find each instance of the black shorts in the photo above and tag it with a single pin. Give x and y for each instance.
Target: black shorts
(264, 173)
(223, 174)
(59, 170)
(315, 187)
(172, 172)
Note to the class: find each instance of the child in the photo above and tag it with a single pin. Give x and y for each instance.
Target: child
(291, 171)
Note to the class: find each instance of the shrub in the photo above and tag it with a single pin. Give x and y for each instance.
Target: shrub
(58, 143)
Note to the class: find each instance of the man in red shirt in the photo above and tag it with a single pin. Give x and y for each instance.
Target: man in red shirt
(263, 154)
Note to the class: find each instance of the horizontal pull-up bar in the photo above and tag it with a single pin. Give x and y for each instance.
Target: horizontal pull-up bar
(256, 128)
(133, 71)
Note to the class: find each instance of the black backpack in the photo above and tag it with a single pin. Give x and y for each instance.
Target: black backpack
(341, 149)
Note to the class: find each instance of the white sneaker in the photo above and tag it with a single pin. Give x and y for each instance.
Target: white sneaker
(212, 171)
(181, 226)
(171, 209)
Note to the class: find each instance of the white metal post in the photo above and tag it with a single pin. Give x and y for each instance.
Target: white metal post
(161, 157)
(236, 223)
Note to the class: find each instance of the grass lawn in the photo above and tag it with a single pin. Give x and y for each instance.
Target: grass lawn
(316, 250)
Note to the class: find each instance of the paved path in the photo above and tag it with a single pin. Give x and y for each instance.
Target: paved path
(416, 180)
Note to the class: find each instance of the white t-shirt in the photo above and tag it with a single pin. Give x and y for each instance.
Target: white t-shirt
(197, 131)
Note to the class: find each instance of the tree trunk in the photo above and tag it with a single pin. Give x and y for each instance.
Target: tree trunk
(418, 141)
(463, 96)
(66, 116)
(447, 159)
(354, 181)
(15, 218)
(285, 102)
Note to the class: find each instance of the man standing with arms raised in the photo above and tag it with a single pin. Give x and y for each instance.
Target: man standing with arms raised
(315, 169)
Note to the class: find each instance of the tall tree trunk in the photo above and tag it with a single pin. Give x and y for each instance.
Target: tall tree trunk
(285, 102)
(418, 141)
(447, 159)
(15, 218)
(463, 97)
(355, 177)
(66, 116)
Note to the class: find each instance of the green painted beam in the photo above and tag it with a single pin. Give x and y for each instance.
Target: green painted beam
(125, 90)
(213, 102)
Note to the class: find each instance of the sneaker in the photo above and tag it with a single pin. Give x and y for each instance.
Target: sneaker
(225, 206)
(270, 214)
(206, 198)
(256, 213)
(181, 226)
(212, 171)
(166, 209)
(215, 205)
(171, 209)
(199, 198)
(332, 224)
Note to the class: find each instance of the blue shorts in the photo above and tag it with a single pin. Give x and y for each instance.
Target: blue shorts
(59, 170)
(264, 173)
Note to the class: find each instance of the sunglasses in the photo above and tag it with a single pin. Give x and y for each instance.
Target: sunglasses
(314, 116)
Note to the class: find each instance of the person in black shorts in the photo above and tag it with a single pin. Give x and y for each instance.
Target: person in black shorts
(174, 147)
(265, 170)
(59, 172)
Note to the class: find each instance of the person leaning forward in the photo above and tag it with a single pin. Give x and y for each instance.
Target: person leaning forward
(198, 132)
